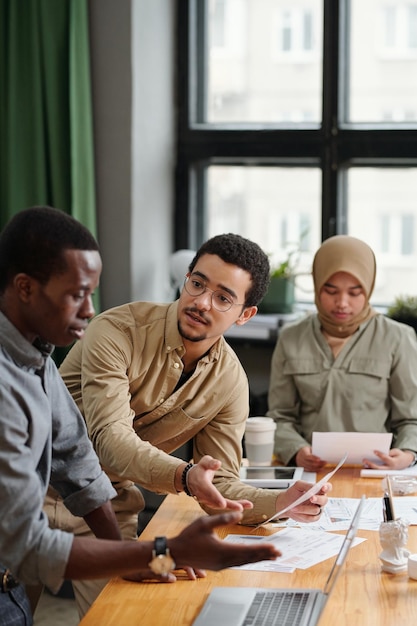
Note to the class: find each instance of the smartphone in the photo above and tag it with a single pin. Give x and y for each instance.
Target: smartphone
(271, 477)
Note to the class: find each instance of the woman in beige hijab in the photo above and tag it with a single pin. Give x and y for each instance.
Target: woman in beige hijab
(345, 368)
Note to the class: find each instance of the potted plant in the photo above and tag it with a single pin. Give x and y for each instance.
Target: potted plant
(404, 309)
(280, 297)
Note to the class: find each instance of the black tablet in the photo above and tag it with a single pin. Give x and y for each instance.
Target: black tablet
(270, 477)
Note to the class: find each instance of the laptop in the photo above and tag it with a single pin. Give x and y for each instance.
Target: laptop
(247, 606)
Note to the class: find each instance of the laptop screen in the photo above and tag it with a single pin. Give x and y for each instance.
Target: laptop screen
(341, 557)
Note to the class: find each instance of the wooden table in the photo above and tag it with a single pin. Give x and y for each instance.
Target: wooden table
(363, 595)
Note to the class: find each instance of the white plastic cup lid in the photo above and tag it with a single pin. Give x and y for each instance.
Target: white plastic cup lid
(260, 423)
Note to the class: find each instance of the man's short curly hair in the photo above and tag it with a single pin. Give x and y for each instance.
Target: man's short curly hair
(34, 242)
(244, 253)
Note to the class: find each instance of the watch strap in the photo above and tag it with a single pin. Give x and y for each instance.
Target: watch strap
(160, 545)
(162, 562)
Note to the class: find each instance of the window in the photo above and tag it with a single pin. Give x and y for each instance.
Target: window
(253, 201)
(381, 64)
(298, 121)
(218, 19)
(398, 235)
(398, 27)
(295, 29)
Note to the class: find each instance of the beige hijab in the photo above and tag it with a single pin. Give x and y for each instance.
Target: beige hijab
(343, 253)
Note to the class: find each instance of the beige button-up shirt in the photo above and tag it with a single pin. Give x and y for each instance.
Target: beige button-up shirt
(123, 376)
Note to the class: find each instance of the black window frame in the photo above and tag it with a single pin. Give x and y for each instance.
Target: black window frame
(333, 146)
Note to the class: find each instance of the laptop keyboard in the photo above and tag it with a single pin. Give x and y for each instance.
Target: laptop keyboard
(272, 608)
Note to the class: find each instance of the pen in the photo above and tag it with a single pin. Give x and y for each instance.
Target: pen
(387, 504)
(390, 498)
(388, 516)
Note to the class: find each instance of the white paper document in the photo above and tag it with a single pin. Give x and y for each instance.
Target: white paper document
(311, 492)
(380, 473)
(337, 514)
(300, 548)
(331, 446)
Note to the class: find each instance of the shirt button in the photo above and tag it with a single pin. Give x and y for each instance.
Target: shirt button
(168, 348)
(176, 365)
(161, 400)
(264, 517)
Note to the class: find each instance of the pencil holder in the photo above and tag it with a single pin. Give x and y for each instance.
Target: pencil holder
(393, 537)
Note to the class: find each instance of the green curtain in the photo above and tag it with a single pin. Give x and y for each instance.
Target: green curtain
(46, 135)
(45, 102)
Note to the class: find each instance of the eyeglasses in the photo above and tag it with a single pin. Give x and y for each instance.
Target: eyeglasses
(220, 300)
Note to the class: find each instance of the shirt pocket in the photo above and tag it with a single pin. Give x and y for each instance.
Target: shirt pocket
(168, 430)
(309, 376)
(368, 380)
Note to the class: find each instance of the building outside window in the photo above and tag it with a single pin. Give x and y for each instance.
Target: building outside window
(298, 121)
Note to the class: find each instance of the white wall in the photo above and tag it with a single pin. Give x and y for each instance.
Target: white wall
(153, 147)
(132, 52)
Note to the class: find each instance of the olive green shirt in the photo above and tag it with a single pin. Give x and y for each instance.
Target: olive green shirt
(371, 386)
(123, 377)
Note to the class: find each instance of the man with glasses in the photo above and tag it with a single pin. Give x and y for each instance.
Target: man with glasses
(150, 377)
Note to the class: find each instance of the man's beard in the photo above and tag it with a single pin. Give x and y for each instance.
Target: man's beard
(188, 338)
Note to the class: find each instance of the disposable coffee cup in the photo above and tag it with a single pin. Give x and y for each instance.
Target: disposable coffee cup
(412, 566)
(259, 440)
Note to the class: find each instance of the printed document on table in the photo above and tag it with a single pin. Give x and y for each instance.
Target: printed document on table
(331, 446)
(300, 548)
(338, 513)
(307, 494)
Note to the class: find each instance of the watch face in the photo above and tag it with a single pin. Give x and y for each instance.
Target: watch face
(162, 564)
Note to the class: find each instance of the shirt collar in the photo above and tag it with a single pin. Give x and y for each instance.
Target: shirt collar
(173, 339)
(19, 348)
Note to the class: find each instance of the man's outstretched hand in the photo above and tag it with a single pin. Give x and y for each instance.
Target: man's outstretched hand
(198, 548)
(200, 483)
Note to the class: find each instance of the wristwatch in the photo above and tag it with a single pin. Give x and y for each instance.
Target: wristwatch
(162, 562)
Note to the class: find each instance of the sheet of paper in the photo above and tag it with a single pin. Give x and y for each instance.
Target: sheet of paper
(338, 512)
(379, 473)
(311, 492)
(359, 446)
(300, 548)
(406, 508)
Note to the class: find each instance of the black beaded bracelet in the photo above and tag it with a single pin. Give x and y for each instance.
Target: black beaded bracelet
(184, 479)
